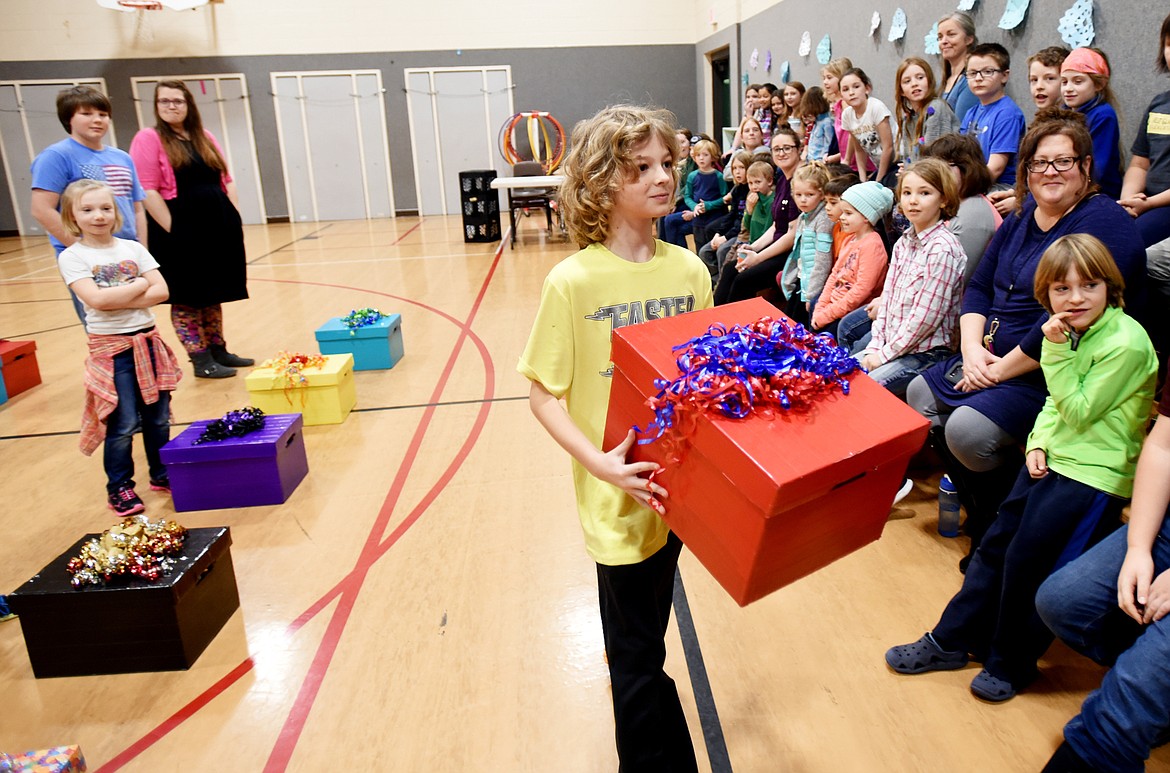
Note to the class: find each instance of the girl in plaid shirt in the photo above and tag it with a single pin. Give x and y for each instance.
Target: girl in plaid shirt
(919, 316)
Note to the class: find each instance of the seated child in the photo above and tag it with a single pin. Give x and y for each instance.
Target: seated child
(997, 122)
(808, 265)
(1044, 68)
(817, 117)
(860, 265)
(867, 119)
(919, 314)
(704, 192)
(727, 227)
(755, 219)
(1084, 84)
(1082, 454)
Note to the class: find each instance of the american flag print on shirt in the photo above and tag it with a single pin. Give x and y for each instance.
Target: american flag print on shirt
(117, 177)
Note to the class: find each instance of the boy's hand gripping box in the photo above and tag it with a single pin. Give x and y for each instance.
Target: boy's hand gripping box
(762, 502)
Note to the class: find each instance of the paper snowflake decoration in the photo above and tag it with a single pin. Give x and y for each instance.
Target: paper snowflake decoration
(1076, 26)
(898, 26)
(875, 22)
(1013, 14)
(824, 50)
(966, 5)
(931, 40)
(805, 43)
(785, 72)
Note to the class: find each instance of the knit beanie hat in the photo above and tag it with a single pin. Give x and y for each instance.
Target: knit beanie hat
(871, 199)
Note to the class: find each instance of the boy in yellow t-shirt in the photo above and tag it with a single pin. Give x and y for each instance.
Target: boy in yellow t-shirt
(619, 177)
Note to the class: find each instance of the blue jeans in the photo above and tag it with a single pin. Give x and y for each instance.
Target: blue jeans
(853, 331)
(129, 416)
(1120, 721)
(672, 229)
(897, 374)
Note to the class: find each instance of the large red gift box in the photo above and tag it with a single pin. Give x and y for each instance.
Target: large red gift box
(762, 502)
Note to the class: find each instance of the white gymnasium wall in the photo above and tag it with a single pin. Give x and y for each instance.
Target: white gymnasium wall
(37, 30)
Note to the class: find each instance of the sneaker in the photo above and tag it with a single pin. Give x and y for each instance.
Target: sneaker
(162, 484)
(125, 502)
(907, 487)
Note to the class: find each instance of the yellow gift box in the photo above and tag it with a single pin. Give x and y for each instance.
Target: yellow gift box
(326, 396)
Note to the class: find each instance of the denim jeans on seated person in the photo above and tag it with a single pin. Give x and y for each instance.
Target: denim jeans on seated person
(853, 331)
(1122, 719)
(897, 374)
(129, 416)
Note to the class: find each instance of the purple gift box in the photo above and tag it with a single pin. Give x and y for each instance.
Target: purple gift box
(261, 468)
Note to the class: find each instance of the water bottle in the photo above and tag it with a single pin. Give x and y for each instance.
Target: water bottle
(948, 508)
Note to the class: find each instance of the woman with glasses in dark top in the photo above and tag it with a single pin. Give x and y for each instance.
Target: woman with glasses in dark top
(982, 402)
(760, 261)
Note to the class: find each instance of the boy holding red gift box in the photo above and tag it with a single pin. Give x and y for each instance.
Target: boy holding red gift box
(619, 177)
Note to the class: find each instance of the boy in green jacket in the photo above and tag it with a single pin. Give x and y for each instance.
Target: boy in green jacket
(1100, 368)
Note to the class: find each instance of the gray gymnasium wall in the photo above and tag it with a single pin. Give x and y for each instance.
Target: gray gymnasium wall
(571, 83)
(1126, 30)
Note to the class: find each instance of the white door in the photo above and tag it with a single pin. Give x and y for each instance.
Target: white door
(455, 114)
(223, 105)
(333, 144)
(28, 125)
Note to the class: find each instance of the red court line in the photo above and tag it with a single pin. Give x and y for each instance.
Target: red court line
(408, 232)
(371, 552)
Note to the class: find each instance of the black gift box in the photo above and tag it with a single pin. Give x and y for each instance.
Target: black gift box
(130, 625)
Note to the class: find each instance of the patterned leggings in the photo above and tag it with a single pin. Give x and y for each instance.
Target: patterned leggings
(198, 327)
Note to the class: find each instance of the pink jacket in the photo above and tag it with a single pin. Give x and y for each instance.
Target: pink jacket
(153, 166)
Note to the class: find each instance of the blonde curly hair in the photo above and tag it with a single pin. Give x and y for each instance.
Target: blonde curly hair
(600, 162)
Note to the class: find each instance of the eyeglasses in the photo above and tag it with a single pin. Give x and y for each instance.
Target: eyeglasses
(1062, 164)
(172, 102)
(783, 148)
(981, 74)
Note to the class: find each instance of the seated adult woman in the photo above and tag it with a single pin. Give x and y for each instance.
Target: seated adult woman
(763, 259)
(749, 137)
(982, 402)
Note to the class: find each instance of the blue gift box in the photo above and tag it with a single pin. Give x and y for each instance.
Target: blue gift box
(374, 347)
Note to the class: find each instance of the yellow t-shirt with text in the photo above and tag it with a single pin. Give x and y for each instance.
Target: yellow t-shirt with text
(585, 297)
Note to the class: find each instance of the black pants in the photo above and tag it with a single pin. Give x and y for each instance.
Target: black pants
(635, 602)
(735, 285)
(1042, 525)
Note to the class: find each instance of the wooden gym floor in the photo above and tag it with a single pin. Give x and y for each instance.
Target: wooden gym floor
(423, 601)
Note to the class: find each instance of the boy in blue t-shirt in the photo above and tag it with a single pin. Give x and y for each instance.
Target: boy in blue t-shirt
(996, 122)
(84, 113)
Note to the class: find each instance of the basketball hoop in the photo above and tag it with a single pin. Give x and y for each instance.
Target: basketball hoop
(130, 6)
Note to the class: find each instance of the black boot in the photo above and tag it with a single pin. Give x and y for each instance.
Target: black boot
(221, 355)
(206, 367)
(1065, 760)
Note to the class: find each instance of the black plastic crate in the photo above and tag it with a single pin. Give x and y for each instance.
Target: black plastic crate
(482, 229)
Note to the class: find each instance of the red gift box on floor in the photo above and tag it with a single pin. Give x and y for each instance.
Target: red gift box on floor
(762, 502)
(19, 368)
(59, 759)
